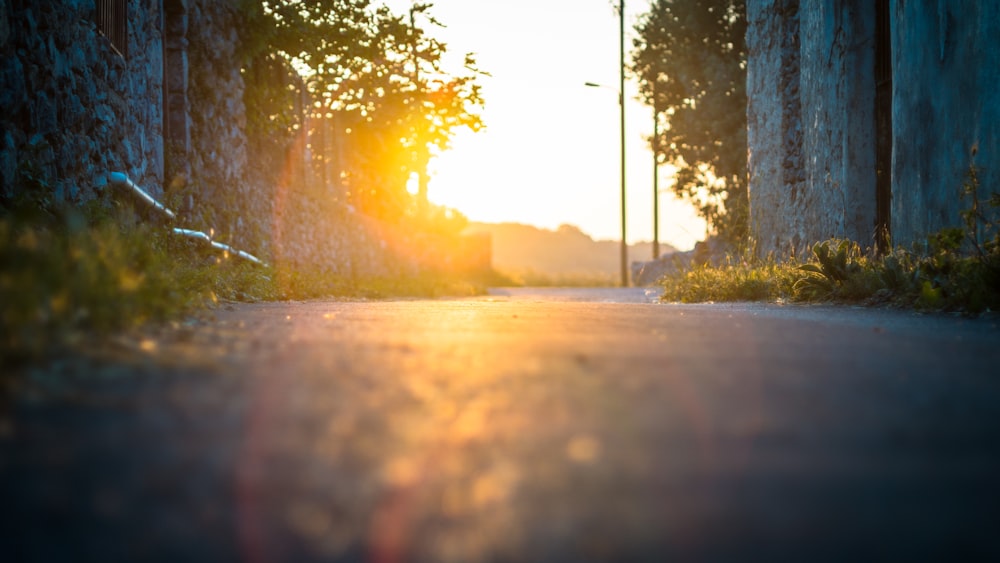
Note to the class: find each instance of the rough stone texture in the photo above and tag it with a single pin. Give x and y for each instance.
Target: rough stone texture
(176, 106)
(811, 122)
(811, 117)
(838, 101)
(774, 125)
(946, 103)
(261, 191)
(71, 109)
(224, 192)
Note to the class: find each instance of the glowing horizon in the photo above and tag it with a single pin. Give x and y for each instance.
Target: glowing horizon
(549, 154)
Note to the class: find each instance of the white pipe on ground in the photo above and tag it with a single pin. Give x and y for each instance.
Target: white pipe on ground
(121, 179)
(217, 245)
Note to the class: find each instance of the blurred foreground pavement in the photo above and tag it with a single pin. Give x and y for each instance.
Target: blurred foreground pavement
(549, 426)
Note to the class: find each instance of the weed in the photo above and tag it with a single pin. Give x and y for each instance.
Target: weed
(317, 283)
(68, 277)
(839, 272)
(534, 278)
(957, 270)
(60, 283)
(738, 279)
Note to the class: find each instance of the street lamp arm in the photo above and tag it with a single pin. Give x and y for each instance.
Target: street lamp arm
(621, 96)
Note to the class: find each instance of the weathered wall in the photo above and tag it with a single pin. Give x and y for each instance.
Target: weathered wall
(811, 122)
(774, 126)
(811, 117)
(946, 103)
(228, 196)
(253, 185)
(838, 112)
(71, 109)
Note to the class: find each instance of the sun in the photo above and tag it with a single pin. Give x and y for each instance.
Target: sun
(456, 176)
(497, 177)
(550, 151)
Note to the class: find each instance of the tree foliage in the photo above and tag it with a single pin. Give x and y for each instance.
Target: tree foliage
(378, 74)
(690, 59)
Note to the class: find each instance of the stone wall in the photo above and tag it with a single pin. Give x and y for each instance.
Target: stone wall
(254, 185)
(838, 113)
(774, 125)
(811, 123)
(71, 108)
(811, 116)
(227, 195)
(173, 116)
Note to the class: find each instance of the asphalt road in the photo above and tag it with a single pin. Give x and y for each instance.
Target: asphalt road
(529, 425)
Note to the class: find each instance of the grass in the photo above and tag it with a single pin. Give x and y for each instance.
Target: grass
(738, 279)
(66, 284)
(838, 272)
(534, 278)
(69, 276)
(313, 284)
(958, 269)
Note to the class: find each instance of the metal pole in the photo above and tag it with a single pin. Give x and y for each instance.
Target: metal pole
(621, 103)
(656, 181)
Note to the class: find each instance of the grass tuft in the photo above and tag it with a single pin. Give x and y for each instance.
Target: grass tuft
(527, 277)
(66, 280)
(957, 270)
(943, 281)
(69, 276)
(738, 279)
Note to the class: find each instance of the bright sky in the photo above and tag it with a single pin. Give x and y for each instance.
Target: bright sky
(550, 151)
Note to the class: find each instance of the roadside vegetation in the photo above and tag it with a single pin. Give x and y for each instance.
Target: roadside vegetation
(690, 60)
(70, 276)
(536, 278)
(957, 269)
(74, 271)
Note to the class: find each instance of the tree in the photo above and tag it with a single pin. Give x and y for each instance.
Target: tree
(381, 75)
(322, 37)
(401, 112)
(690, 59)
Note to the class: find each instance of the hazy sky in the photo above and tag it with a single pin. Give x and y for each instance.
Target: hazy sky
(550, 151)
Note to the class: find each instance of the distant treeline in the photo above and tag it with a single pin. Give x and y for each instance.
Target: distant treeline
(566, 251)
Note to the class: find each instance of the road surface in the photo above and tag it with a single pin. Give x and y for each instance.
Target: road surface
(528, 425)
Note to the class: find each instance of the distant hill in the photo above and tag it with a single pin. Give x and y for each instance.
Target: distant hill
(564, 252)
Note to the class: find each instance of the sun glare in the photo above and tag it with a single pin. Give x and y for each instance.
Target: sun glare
(550, 154)
(413, 184)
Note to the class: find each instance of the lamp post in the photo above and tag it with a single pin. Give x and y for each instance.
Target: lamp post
(621, 107)
(656, 181)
